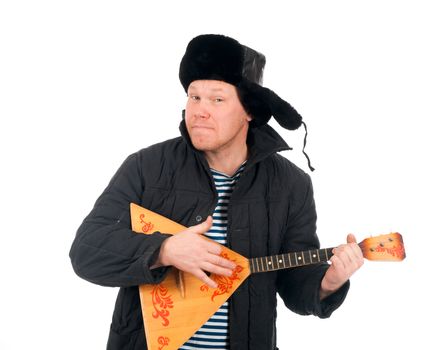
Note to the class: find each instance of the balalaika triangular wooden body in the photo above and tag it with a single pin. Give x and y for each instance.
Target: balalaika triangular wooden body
(176, 308)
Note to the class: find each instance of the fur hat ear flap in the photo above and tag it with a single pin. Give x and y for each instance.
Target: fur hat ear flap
(283, 112)
(262, 103)
(254, 100)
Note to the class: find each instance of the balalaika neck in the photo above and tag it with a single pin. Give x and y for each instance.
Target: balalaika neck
(289, 260)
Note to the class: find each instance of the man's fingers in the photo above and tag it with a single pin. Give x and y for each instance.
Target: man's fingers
(349, 254)
(216, 269)
(196, 254)
(337, 263)
(221, 262)
(213, 248)
(201, 275)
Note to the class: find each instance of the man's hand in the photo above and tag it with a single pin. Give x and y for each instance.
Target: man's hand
(188, 251)
(347, 259)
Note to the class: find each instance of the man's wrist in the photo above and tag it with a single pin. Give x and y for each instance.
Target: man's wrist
(159, 262)
(162, 256)
(326, 289)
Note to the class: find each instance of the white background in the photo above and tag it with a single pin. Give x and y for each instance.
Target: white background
(85, 83)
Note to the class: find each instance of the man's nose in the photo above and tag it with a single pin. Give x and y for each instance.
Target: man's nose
(202, 112)
(203, 115)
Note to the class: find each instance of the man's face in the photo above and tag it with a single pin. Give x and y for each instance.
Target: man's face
(215, 118)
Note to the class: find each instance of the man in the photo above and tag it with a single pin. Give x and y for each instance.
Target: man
(222, 178)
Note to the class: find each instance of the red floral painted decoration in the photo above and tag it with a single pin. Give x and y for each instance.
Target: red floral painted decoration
(161, 302)
(162, 341)
(148, 226)
(397, 251)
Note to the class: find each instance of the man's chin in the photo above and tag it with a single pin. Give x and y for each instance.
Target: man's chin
(203, 146)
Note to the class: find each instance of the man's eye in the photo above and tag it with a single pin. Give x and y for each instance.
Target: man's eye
(195, 98)
(218, 99)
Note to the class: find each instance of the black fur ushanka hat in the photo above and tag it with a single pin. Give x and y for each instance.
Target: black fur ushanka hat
(218, 57)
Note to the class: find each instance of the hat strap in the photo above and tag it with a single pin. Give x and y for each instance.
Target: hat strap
(305, 143)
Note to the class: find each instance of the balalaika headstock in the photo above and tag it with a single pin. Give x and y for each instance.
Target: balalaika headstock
(389, 247)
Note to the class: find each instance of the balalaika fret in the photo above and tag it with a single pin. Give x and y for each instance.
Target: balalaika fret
(289, 260)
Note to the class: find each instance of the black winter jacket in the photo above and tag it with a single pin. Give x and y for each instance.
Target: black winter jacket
(271, 211)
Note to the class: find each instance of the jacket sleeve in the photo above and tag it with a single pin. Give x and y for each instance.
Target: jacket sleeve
(105, 250)
(299, 287)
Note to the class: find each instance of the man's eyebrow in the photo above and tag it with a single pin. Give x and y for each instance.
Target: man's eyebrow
(218, 89)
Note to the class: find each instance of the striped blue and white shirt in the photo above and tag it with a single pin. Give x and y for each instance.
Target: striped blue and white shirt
(214, 334)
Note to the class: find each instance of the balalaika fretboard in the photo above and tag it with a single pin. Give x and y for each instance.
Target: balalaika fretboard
(288, 260)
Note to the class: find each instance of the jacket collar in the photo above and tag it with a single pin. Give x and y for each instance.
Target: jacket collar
(262, 142)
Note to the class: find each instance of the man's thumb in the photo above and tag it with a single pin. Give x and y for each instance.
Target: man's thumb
(204, 226)
(351, 238)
